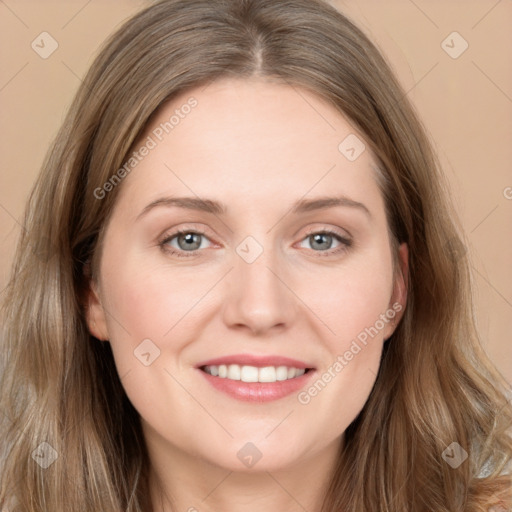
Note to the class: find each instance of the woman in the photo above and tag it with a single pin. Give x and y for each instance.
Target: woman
(240, 285)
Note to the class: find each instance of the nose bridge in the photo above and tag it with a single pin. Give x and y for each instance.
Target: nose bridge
(258, 297)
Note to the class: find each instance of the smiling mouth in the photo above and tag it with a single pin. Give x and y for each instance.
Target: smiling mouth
(246, 373)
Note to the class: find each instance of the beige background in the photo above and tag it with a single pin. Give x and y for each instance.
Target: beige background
(465, 103)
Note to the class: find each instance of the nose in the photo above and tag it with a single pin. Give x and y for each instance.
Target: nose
(258, 297)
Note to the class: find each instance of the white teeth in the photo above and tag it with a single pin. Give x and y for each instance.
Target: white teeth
(249, 374)
(234, 372)
(267, 374)
(282, 373)
(253, 373)
(291, 373)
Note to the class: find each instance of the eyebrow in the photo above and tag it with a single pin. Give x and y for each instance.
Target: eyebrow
(218, 208)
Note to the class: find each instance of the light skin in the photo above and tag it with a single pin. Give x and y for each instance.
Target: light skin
(258, 147)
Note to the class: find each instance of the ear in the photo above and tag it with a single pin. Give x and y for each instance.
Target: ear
(95, 314)
(399, 295)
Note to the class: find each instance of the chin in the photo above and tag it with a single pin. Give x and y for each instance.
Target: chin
(256, 456)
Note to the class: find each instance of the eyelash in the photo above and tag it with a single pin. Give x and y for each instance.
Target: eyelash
(346, 243)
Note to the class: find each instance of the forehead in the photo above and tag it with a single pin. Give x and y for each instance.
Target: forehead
(251, 139)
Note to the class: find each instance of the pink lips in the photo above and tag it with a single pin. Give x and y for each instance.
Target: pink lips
(257, 391)
(258, 361)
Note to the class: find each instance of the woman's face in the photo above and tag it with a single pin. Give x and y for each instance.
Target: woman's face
(263, 276)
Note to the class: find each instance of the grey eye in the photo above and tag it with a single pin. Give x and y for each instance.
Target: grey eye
(186, 241)
(321, 241)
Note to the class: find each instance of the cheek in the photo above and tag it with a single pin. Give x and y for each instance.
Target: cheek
(156, 311)
(351, 299)
(354, 303)
(148, 302)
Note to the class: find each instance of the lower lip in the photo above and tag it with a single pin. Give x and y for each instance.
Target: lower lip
(258, 391)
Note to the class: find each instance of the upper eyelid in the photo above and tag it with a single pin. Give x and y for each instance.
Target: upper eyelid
(329, 230)
(186, 229)
(174, 231)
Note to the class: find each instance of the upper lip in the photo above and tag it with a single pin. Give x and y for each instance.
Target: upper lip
(255, 360)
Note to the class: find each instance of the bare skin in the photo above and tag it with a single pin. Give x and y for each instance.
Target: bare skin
(257, 147)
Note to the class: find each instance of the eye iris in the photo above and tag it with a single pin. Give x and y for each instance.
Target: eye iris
(317, 239)
(193, 241)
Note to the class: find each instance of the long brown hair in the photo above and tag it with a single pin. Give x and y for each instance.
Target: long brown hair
(59, 385)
